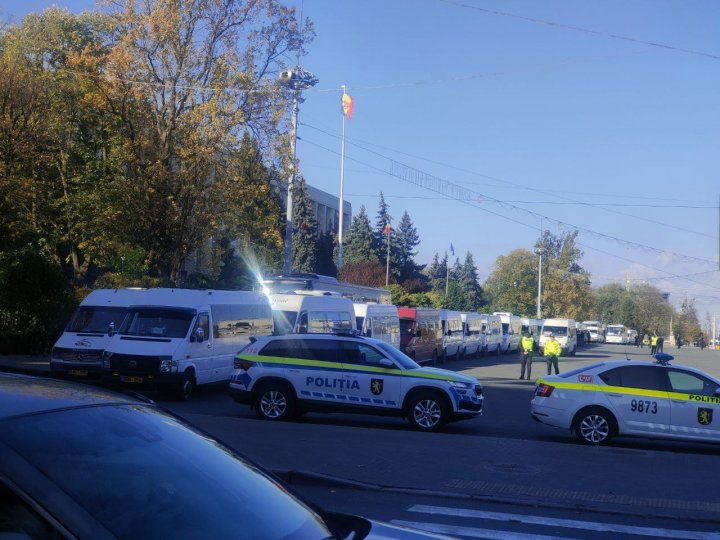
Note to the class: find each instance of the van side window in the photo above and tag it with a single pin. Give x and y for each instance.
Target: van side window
(203, 322)
(303, 323)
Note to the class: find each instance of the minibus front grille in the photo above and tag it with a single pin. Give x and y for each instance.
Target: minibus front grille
(82, 355)
(134, 363)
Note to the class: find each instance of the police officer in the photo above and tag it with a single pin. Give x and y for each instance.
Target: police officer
(527, 347)
(653, 343)
(552, 351)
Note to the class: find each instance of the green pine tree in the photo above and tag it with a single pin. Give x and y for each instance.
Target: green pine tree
(325, 263)
(304, 256)
(468, 281)
(407, 240)
(358, 245)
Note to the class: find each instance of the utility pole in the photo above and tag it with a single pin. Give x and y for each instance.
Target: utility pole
(297, 79)
(388, 231)
(539, 300)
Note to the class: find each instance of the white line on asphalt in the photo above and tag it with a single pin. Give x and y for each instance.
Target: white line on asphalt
(474, 532)
(569, 523)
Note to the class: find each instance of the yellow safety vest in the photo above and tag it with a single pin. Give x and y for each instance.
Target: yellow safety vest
(653, 341)
(552, 347)
(527, 343)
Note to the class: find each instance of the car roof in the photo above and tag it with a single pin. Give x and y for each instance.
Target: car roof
(608, 364)
(22, 395)
(262, 340)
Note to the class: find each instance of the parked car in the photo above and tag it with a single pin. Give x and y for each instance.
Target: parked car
(81, 462)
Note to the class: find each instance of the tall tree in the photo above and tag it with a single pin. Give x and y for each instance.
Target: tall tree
(325, 263)
(407, 240)
(512, 285)
(304, 252)
(358, 245)
(382, 239)
(468, 281)
(161, 80)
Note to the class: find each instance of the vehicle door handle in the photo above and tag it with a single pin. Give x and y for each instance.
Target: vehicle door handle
(294, 370)
(614, 395)
(351, 376)
(677, 401)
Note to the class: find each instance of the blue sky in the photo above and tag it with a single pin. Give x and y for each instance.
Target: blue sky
(528, 114)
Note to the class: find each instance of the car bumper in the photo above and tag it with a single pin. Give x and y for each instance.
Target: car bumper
(552, 416)
(76, 369)
(241, 396)
(145, 380)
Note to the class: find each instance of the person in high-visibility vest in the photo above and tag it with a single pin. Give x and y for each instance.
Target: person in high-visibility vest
(552, 351)
(653, 344)
(527, 346)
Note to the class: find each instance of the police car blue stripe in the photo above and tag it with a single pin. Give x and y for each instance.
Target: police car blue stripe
(304, 393)
(353, 398)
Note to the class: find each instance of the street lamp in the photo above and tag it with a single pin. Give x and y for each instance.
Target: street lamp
(539, 300)
(297, 80)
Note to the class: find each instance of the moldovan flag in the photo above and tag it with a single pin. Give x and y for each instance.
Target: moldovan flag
(347, 105)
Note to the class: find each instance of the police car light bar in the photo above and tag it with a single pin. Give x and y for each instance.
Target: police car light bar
(663, 358)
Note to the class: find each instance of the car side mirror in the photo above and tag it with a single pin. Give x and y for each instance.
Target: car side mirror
(384, 362)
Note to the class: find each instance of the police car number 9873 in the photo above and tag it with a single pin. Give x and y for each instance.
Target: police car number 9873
(282, 377)
(627, 397)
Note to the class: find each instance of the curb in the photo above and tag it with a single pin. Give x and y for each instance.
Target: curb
(306, 478)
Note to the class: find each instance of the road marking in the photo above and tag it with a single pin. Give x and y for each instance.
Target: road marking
(474, 532)
(568, 523)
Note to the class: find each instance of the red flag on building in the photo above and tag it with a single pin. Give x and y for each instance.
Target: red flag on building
(347, 105)
(387, 229)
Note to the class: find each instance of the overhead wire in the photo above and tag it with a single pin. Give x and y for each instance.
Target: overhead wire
(468, 193)
(583, 30)
(475, 204)
(537, 190)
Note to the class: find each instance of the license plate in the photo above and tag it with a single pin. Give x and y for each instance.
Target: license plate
(124, 378)
(78, 372)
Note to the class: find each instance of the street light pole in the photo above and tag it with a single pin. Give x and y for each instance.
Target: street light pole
(539, 297)
(297, 79)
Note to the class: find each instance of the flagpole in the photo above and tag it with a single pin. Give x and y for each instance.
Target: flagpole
(342, 185)
(447, 277)
(387, 267)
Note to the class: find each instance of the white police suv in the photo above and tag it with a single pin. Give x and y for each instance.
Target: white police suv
(282, 377)
(628, 397)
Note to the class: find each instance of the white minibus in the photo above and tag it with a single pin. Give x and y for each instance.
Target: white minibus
(78, 352)
(492, 326)
(596, 330)
(616, 333)
(511, 327)
(311, 313)
(473, 334)
(452, 334)
(565, 333)
(378, 321)
(181, 338)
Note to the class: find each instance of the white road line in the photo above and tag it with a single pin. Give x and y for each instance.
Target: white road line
(473, 532)
(569, 523)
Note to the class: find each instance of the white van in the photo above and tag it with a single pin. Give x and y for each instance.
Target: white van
(452, 327)
(473, 334)
(78, 352)
(511, 328)
(565, 333)
(378, 321)
(596, 330)
(616, 333)
(180, 338)
(492, 327)
(311, 313)
(531, 326)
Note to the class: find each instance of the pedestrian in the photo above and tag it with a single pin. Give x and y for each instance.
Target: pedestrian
(701, 342)
(661, 342)
(527, 348)
(653, 344)
(679, 341)
(637, 340)
(552, 351)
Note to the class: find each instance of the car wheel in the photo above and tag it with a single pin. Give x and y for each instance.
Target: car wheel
(185, 389)
(434, 359)
(274, 401)
(427, 412)
(595, 426)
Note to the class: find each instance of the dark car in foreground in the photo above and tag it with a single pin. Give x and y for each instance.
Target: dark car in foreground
(81, 462)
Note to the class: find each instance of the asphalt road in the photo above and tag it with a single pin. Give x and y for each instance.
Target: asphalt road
(499, 476)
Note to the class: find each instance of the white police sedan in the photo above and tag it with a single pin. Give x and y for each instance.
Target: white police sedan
(635, 398)
(282, 377)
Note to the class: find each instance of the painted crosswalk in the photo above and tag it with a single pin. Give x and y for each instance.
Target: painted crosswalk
(472, 523)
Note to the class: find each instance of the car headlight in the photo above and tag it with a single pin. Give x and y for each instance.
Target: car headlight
(168, 365)
(459, 384)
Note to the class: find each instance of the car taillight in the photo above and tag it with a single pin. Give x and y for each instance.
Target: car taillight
(544, 390)
(241, 363)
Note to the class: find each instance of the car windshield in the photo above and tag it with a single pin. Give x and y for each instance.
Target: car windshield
(157, 322)
(140, 473)
(615, 331)
(97, 319)
(401, 358)
(557, 330)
